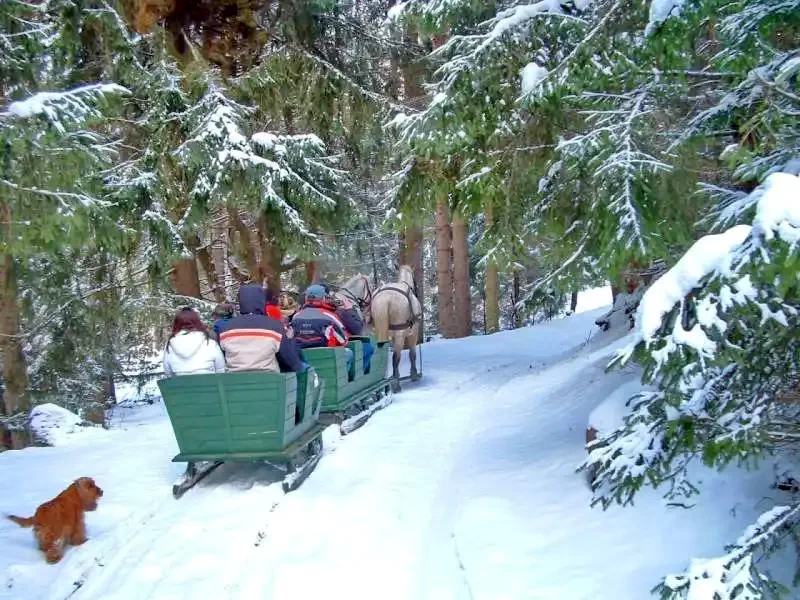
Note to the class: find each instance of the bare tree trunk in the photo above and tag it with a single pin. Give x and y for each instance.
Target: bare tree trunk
(248, 245)
(444, 273)
(492, 282)
(411, 254)
(573, 302)
(461, 281)
(108, 302)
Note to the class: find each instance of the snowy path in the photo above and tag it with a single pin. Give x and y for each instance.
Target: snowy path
(463, 488)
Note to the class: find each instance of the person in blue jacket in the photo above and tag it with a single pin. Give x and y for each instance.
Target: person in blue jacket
(322, 322)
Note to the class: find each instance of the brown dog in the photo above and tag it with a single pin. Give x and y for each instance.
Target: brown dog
(60, 521)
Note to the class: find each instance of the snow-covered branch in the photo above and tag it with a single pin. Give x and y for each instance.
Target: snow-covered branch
(61, 108)
(63, 197)
(729, 576)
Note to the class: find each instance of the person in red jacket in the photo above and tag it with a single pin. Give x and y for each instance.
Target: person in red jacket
(272, 307)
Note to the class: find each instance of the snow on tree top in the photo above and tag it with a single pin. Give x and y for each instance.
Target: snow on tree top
(396, 11)
(711, 253)
(660, 11)
(778, 209)
(532, 74)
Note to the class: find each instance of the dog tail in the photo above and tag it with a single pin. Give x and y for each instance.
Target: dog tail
(21, 521)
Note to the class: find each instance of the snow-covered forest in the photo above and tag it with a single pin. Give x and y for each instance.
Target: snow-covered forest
(156, 154)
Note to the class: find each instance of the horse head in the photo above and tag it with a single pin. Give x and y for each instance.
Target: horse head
(406, 275)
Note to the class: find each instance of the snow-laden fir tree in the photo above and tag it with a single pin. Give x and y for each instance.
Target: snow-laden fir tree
(489, 144)
(54, 146)
(717, 334)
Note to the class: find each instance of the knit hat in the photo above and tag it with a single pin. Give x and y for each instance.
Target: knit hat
(315, 291)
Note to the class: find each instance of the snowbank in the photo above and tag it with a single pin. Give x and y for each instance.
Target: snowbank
(464, 486)
(131, 392)
(611, 412)
(593, 299)
(55, 425)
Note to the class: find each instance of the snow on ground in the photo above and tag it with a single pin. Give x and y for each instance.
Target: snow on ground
(55, 425)
(464, 487)
(593, 299)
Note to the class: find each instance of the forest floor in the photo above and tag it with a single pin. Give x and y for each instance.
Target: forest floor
(463, 488)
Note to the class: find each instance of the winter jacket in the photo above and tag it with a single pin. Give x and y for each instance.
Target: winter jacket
(192, 352)
(253, 341)
(319, 324)
(351, 318)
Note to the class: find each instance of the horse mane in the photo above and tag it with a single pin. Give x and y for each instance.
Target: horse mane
(406, 275)
(353, 280)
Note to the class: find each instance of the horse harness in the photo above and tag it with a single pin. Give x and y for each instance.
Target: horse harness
(362, 303)
(408, 293)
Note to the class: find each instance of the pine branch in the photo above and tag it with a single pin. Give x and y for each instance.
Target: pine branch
(338, 74)
(84, 199)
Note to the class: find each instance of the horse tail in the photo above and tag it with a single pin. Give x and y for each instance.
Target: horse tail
(380, 319)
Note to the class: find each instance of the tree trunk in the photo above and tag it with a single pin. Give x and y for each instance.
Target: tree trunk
(413, 71)
(573, 302)
(219, 253)
(411, 254)
(461, 281)
(248, 245)
(516, 313)
(492, 282)
(204, 256)
(311, 272)
(186, 278)
(15, 371)
(271, 265)
(444, 273)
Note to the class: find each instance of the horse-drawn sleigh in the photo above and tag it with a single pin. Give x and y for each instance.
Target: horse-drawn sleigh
(279, 417)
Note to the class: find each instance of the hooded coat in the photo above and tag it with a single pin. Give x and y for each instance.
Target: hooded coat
(321, 323)
(252, 341)
(192, 352)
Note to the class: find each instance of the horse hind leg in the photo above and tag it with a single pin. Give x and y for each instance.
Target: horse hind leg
(395, 381)
(412, 356)
(397, 352)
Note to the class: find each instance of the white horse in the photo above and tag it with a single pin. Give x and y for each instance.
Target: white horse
(396, 312)
(357, 292)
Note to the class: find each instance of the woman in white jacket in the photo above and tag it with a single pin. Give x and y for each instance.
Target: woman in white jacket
(190, 350)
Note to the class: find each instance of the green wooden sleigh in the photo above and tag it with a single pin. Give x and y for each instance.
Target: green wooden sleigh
(272, 417)
(248, 416)
(348, 401)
